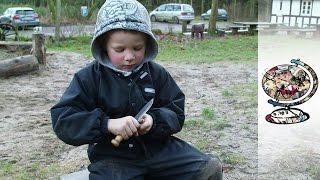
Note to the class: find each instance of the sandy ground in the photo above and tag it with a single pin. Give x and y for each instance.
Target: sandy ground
(27, 142)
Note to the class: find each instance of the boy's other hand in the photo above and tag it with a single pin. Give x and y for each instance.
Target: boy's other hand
(145, 124)
(126, 127)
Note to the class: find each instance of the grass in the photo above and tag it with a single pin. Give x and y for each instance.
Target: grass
(34, 170)
(231, 158)
(314, 172)
(194, 122)
(207, 113)
(227, 94)
(202, 144)
(220, 124)
(245, 94)
(80, 44)
(232, 48)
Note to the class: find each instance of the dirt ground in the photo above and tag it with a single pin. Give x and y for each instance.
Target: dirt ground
(29, 148)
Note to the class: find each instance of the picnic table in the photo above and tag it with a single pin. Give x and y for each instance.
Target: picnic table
(253, 26)
(317, 27)
(235, 28)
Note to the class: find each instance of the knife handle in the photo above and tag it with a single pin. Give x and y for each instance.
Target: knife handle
(116, 141)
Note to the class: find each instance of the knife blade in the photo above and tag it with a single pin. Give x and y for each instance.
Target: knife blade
(143, 110)
(117, 140)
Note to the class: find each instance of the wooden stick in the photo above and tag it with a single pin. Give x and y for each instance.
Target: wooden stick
(116, 141)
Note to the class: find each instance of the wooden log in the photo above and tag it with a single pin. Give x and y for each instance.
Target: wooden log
(17, 66)
(15, 46)
(38, 47)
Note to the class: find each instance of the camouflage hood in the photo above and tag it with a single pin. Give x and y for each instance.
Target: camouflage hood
(127, 15)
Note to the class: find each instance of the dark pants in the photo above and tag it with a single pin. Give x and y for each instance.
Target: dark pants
(177, 161)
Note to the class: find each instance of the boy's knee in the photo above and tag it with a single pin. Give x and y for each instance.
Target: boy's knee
(212, 170)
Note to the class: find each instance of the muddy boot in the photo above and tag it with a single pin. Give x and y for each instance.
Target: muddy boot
(212, 170)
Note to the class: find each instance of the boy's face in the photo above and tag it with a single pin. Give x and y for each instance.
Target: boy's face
(126, 49)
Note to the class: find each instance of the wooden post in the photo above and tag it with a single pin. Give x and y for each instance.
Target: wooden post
(58, 20)
(39, 51)
(184, 26)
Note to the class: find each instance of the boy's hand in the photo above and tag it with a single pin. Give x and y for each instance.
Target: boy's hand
(145, 124)
(126, 127)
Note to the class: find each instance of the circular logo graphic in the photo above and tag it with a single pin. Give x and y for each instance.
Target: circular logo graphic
(286, 82)
(289, 85)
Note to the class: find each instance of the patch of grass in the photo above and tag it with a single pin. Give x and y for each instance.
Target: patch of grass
(244, 126)
(246, 96)
(34, 170)
(194, 122)
(208, 113)
(25, 38)
(221, 135)
(80, 44)
(314, 171)
(6, 168)
(233, 48)
(202, 144)
(220, 124)
(231, 158)
(226, 94)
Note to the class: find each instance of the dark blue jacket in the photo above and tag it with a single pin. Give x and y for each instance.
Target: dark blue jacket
(98, 93)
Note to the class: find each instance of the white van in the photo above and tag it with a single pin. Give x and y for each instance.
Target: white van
(173, 12)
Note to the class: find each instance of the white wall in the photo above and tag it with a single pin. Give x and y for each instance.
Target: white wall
(316, 8)
(295, 7)
(295, 11)
(285, 7)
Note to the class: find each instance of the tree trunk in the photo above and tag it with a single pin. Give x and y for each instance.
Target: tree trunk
(17, 66)
(213, 17)
(234, 10)
(58, 20)
(37, 3)
(202, 6)
(229, 9)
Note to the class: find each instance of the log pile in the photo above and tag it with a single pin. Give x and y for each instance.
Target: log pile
(24, 64)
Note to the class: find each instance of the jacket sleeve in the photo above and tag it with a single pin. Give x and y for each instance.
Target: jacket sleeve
(75, 119)
(168, 110)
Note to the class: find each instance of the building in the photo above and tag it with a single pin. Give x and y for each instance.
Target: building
(301, 13)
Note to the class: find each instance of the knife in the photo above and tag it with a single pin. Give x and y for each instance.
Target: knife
(116, 141)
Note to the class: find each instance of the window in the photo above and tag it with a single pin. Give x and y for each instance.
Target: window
(169, 8)
(187, 8)
(306, 7)
(162, 8)
(177, 8)
(280, 5)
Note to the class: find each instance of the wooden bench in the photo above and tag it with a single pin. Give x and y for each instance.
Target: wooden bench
(288, 31)
(236, 29)
(303, 32)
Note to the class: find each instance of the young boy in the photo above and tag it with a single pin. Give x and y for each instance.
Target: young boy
(104, 97)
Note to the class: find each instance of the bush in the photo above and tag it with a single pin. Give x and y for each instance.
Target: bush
(157, 31)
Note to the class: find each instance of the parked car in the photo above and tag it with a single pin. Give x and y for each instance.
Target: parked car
(20, 17)
(173, 12)
(222, 15)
